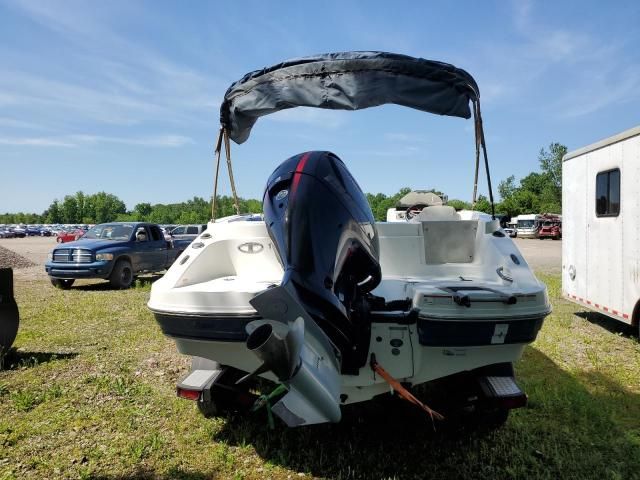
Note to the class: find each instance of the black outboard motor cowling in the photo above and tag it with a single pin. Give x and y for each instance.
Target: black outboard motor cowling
(323, 229)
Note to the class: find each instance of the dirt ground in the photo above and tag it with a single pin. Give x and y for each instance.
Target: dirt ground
(34, 249)
(543, 255)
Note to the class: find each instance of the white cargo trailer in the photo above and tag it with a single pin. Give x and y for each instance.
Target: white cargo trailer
(601, 226)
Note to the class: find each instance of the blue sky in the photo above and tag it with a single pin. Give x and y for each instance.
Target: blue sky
(123, 96)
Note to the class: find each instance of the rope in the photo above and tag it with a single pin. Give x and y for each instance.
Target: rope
(227, 151)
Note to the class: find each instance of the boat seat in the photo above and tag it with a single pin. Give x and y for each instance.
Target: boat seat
(437, 212)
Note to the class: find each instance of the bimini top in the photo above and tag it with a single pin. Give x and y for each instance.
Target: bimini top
(347, 81)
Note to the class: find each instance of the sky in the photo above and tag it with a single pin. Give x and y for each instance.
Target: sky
(123, 96)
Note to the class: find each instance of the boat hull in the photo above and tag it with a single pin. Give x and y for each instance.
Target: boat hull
(471, 305)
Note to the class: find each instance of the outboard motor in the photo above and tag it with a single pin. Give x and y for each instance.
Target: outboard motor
(323, 229)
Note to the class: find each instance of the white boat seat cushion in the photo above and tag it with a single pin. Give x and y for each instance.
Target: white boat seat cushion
(437, 212)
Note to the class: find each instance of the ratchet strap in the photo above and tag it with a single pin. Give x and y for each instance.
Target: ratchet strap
(265, 401)
(403, 392)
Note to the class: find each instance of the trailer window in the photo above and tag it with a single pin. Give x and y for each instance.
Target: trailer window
(608, 193)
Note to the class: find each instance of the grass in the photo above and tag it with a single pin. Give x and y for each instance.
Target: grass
(89, 393)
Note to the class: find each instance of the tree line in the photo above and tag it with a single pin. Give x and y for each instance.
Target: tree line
(102, 207)
(538, 192)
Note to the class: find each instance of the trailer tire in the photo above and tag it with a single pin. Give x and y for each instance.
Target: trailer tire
(635, 318)
(492, 419)
(485, 417)
(218, 402)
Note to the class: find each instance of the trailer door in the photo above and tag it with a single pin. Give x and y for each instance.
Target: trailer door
(574, 228)
(605, 241)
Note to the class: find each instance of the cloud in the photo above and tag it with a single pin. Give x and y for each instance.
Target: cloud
(600, 92)
(107, 77)
(14, 123)
(152, 141)
(35, 142)
(166, 141)
(580, 72)
(8, 99)
(405, 137)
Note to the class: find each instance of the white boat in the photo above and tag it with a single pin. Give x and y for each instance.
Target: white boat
(333, 306)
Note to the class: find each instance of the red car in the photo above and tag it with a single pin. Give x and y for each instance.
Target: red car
(551, 228)
(64, 237)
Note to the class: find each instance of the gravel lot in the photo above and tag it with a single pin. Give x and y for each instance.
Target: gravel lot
(33, 249)
(542, 255)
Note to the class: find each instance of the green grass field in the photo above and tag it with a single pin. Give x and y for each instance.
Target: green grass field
(89, 393)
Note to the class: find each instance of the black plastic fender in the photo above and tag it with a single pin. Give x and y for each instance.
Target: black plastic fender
(9, 315)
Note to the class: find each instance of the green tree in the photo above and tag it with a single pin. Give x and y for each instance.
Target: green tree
(107, 207)
(551, 164)
(143, 210)
(53, 213)
(70, 209)
(80, 201)
(507, 187)
(459, 204)
(483, 204)
(380, 202)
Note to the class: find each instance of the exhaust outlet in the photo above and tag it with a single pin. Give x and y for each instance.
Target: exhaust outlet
(280, 355)
(311, 379)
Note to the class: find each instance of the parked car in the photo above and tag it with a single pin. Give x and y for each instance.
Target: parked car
(550, 228)
(511, 231)
(187, 232)
(113, 251)
(6, 233)
(32, 231)
(183, 235)
(20, 232)
(71, 236)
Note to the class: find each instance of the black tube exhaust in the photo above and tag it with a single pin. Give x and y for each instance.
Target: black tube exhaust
(280, 355)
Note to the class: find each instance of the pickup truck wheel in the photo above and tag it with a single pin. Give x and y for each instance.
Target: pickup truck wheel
(64, 284)
(122, 275)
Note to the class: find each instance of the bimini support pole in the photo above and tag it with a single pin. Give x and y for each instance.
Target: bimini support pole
(476, 110)
(477, 138)
(227, 152)
(218, 151)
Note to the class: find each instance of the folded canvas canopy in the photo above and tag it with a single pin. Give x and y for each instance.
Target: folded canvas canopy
(347, 81)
